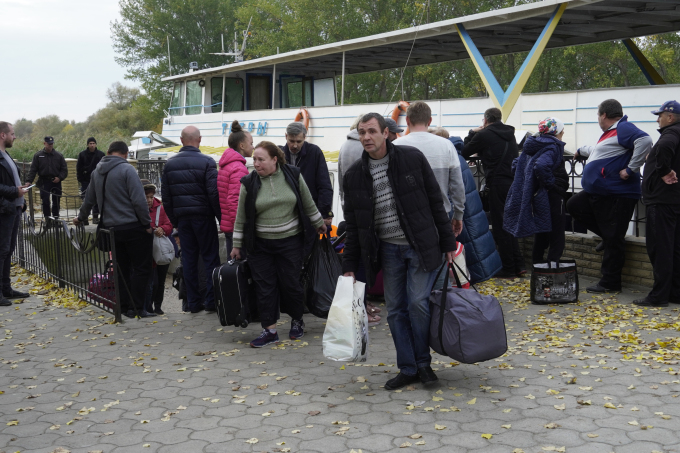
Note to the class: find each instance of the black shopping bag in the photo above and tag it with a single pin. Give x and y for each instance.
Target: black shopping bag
(554, 282)
(320, 277)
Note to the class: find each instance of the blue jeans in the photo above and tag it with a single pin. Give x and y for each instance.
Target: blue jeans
(198, 238)
(407, 292)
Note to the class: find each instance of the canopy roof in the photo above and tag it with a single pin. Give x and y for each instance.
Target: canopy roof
(498, 32)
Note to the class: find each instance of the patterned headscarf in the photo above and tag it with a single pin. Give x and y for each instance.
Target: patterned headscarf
(551, 126)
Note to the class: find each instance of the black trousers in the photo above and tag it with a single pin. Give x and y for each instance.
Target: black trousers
(555, 238)
(663, 248)
(199, 240)
(155, 292)
(608, 217)
(83, 189)
(134, 249)
(508, 247)
(276, 265)
(9, 230)
(48, 190)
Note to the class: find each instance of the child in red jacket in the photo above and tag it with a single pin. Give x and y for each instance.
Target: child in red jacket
(161, 227)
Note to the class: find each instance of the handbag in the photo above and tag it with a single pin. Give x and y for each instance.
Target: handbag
(163, 250)
(320, 277)
(554, 282)
(345, 338)
(465, 325)
(103, 241)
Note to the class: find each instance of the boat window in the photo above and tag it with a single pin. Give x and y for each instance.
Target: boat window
(296, 92)
(215, 95)
(259, 92)
(233, 95)
(324, 92)
(193, 100)
(176, 104)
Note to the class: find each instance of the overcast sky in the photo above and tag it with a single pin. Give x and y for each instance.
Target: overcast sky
(56, 58)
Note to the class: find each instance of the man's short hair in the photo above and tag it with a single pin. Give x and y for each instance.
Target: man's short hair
(295, 129)
(381, 120)
(493, 115)
(419, 113)
(4, 127)
(611, 108)
(118, 148)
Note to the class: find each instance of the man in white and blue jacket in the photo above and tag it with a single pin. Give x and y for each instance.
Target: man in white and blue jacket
(611, 188)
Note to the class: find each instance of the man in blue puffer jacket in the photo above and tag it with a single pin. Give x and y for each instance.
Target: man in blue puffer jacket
(191, 201)
(481, 257)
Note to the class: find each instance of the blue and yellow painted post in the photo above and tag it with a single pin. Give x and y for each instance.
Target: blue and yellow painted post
(506, 100)
(653, 77)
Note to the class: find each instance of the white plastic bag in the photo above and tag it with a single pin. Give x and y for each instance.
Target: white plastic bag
(346, 336)
(163, 250)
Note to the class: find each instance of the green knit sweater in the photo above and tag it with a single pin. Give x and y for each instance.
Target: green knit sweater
(276, 207)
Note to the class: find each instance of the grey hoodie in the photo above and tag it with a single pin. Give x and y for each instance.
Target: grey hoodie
(125, 205)
(350, 152)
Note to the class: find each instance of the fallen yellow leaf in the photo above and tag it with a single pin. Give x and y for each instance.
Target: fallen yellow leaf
(487, 436)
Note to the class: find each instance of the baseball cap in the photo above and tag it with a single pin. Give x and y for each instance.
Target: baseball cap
(392, 125)
(49, 140)
(668, 106)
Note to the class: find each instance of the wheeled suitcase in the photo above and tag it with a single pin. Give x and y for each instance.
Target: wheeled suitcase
(234, 293)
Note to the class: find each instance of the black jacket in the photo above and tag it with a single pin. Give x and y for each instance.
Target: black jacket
(489, 145)
(47, 166)
(87, 162)
(420, 208)
(664, 157)
(189, 186)
(252, 185)
(312, 165)
(8, 187)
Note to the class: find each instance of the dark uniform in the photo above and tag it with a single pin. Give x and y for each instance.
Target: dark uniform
(48, 165)
(87, 162)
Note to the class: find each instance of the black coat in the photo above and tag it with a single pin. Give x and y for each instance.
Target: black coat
(312, 165)
(489, 145)
(664, 157)
(189, 186)
(8, 187)
(420, 208)
(47, 166)
(87, 162)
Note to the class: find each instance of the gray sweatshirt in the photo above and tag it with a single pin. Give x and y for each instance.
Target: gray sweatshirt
(350, 152)
(125, 203)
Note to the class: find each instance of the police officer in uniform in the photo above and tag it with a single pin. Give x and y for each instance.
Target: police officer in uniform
(50, 166)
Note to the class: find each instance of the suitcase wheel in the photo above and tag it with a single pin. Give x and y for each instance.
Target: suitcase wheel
(244, 324)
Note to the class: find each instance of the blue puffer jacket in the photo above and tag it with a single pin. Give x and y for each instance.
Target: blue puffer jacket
(481, 256)
(527, 209)
(189, 186)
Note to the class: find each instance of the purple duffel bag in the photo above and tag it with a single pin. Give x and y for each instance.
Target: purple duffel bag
(467, 326)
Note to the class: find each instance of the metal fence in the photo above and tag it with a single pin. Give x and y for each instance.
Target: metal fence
(151, 170)
(69, 257)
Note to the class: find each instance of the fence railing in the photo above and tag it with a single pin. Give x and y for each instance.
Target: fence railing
(151, 170)
(69, 257)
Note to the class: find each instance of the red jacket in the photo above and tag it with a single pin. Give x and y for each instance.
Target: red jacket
(232, 169)
(163, 221)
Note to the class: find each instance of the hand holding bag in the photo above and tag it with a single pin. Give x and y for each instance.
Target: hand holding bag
(345, 338)
(163, 250)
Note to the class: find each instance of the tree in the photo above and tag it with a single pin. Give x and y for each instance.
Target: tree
(121, 97)
(23, 128)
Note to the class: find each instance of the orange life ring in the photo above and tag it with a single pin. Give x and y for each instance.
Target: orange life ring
(303, 117)
(401, 107)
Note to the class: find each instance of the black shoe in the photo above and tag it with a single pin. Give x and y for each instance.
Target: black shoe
(146, 314)
(158, 311)
(505, 274)
(14, 294)
(521, 273)
(645, 302)
(210, 309)
(197, 310)
(129, 314)
(400, 381)
(597, 288)
(599, 247)
(426, 375)
(4, 302)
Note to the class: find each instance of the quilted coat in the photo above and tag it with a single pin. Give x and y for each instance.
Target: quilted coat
(481, 257)
(232, 169)
(527, 209)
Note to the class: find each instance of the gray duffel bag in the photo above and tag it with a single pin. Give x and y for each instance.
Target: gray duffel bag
(467, 326)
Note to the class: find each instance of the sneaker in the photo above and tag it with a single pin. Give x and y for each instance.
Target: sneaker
(4, 302)
(14, 294)
(210, 309)
(265, 338)
(505, 274)
(146, 314)
(645, 302)
(597, 288)
(296, 329)
(426, 375)
(158, 311)
(197, 310)
(400, 381)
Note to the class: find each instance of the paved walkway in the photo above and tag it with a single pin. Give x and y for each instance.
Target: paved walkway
(600, 376)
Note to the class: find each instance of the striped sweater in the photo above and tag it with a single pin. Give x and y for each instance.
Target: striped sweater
(385, 214)
(276, 207)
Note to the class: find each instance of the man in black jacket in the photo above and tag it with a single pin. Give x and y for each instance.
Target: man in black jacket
(396, 221)
(495, 144)
(87, 162)
(191, 201)
(661, 195)
(50, 166)
(12, 203)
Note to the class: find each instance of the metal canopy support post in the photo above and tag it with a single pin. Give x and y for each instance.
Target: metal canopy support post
(274, 88)
(342, 85)
(652, 76)
(505, 100)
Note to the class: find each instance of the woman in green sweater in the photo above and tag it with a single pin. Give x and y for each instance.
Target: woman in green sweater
(275, 209)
